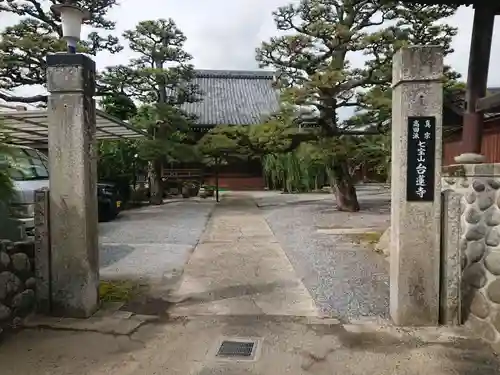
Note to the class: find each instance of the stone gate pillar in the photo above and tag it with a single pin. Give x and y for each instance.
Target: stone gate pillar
(73, 195)
(415, 199)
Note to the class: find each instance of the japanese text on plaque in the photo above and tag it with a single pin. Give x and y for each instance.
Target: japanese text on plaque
(421, 181)
(421, 161)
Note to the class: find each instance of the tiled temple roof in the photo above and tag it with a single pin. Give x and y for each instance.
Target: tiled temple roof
(232, 97)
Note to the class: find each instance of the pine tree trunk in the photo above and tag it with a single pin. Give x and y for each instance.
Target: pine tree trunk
(343, 187)
(285, 182)
(389, 170)
(156, 187)
(157, 167)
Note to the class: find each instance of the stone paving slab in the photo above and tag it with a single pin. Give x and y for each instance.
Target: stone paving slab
(239, 268)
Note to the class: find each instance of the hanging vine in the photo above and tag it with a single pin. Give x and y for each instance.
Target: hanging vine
(297, 171)
(311, 166)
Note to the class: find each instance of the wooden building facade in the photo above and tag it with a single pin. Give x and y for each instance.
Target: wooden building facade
(490, 143)
(453, 130)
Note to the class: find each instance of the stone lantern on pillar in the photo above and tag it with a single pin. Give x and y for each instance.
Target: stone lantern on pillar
(72, 17)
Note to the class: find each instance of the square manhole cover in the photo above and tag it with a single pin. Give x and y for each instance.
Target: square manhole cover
(237, 349)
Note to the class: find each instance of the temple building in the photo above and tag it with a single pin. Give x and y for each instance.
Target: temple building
(230, 97)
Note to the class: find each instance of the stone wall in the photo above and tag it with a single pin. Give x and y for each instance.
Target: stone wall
(17, 282)
(479, 242)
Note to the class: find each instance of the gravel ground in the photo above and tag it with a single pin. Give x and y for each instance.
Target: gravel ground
(153, 241)
(347, 280)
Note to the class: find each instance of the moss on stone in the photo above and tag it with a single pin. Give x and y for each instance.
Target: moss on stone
(369, 238)
(119, 291)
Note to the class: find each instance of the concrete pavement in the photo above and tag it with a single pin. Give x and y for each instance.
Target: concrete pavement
(285, 345)
(239, 285)
(152, 243)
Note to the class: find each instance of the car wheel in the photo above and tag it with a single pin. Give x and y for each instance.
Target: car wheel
(105, 212)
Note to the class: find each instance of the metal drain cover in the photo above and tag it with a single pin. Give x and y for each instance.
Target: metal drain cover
(237, 349)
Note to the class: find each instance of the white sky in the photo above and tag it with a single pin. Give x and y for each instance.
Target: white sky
(223, 34)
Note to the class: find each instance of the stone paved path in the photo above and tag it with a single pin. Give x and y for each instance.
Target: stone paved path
(239, 268)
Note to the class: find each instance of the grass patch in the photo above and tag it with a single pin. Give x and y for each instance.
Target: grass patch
(368, 238)
(119, 291)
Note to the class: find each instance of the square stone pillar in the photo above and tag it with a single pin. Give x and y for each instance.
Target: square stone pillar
(73, 190)
(417, 104)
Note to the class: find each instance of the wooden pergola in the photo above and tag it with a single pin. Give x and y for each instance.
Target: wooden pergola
(476, 101)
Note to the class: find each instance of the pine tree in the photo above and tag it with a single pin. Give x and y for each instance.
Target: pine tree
(315, 58)
(25, 45)
(161, 78)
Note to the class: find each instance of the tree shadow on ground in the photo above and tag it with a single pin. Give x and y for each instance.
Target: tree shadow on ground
(233, 291)
(274, 204)
(470, 356)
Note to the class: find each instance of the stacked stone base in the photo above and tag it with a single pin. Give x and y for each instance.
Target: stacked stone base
(479, 185)
(17, 283)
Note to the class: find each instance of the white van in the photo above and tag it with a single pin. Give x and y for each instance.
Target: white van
(29, 170)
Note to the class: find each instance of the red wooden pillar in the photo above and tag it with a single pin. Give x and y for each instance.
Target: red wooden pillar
(477, 77)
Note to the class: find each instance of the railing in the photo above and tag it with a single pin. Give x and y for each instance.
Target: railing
(182, 173)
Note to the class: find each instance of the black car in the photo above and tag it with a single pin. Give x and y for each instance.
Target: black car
(109, 201)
